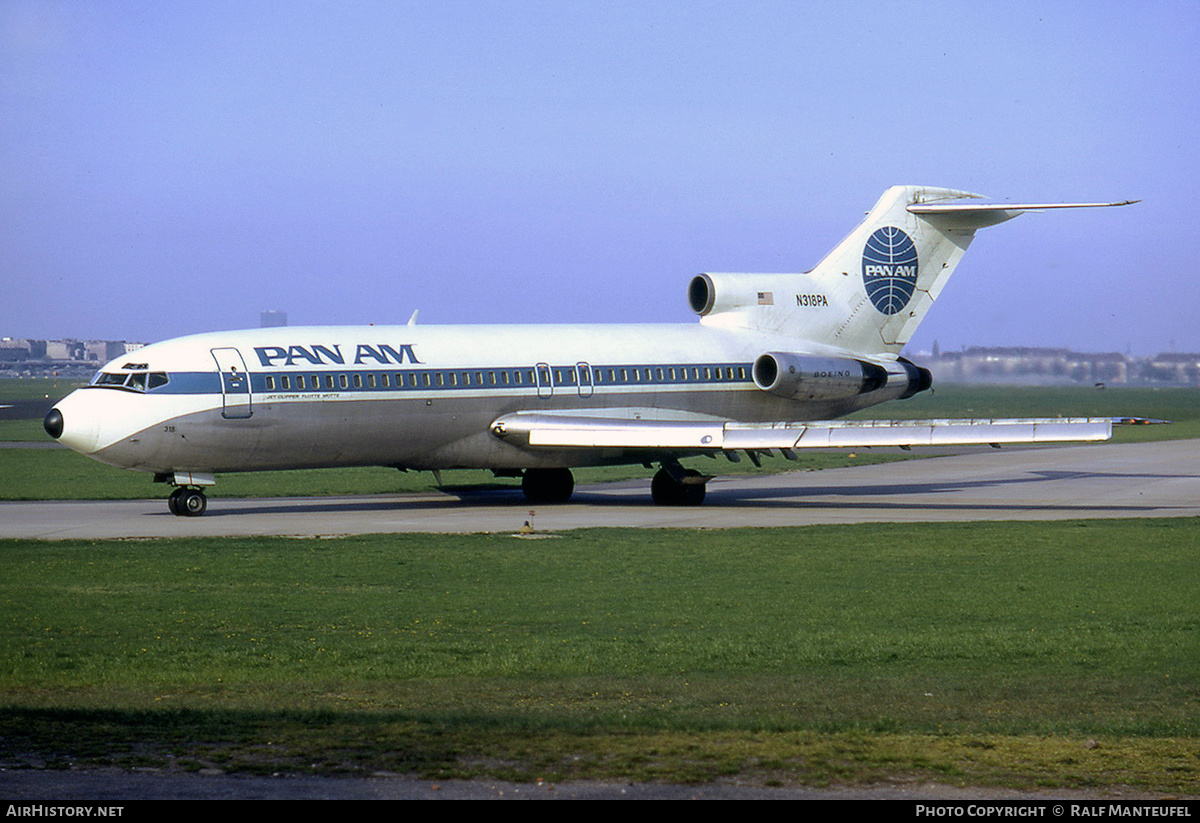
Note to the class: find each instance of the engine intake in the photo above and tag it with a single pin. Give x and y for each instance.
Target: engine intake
(702, 294)
(715, 294)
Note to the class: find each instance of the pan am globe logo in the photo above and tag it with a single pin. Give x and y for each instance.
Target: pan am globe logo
(890, 269)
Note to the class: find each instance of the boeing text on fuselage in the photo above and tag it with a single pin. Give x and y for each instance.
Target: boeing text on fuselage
(751, 378)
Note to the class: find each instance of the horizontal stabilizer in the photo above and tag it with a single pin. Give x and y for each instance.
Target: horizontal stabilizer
(951, 208)
(973, 216)
(558, 431)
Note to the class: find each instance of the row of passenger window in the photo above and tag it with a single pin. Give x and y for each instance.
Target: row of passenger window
(399, 380)
(540, 376)
(668, 374)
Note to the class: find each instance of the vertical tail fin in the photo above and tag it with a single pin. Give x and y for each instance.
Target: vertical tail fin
(889, 270)
(871, 292)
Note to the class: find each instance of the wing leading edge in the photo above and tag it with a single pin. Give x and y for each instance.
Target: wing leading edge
(539, 430)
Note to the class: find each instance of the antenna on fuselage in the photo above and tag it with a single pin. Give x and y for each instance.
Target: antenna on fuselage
(412, 321)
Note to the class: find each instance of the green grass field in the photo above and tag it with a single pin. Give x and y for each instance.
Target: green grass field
(1028, 655)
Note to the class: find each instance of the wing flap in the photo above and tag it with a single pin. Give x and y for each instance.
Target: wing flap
(563, 431)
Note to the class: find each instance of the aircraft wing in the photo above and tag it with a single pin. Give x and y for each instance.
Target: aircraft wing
(541, 430)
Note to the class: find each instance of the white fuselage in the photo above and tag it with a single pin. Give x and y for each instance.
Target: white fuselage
(419, 397)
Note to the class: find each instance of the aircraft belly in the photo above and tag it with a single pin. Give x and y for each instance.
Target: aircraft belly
(418, 433)
(286, 436)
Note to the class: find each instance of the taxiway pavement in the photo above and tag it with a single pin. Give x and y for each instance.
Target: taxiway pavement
(1160, 479)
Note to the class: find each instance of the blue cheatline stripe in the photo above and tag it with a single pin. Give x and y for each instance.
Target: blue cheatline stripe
(473, 379)
(190, 383)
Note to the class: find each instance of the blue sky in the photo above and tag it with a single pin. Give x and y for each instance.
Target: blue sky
(168, 168)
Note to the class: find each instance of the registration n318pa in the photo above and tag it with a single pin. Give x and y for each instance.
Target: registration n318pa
(772, 363)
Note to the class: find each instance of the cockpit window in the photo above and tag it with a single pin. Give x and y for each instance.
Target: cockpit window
(138, 381)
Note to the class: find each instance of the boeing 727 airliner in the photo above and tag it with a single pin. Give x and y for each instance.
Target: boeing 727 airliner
(773, 362)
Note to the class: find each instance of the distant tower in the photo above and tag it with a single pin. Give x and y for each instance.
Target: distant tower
(271, 319)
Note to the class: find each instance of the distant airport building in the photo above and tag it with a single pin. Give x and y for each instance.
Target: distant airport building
(1047, 366)
(13, 351)
(101, 351)
(77, 359)
(72, 350)
(1031, 365)
(1175, 368)
(272, 319)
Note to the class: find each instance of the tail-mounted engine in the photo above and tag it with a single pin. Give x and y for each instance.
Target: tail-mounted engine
(715, 294)
(749, 301)
(806, 377)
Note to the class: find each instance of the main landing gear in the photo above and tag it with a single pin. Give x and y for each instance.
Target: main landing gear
(187, 502)
(548, 485)
(673, 485)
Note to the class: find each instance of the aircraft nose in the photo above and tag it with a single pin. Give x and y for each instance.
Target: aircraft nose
(53, 424)
(73, 423)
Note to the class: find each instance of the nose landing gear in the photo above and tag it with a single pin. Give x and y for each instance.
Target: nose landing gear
(188, 499)
(187, 502)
